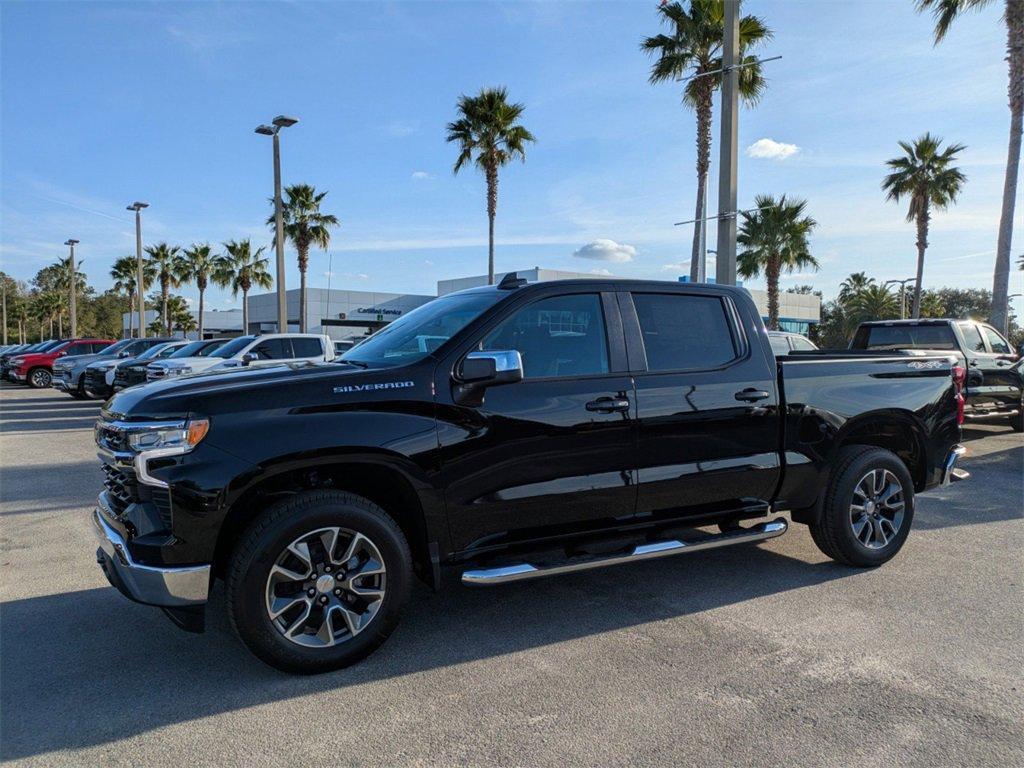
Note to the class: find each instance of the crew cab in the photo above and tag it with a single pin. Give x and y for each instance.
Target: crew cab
(995, 388)
(69, 372)
(36, 368)
(546, 428)
(248, 350)
(99, 375)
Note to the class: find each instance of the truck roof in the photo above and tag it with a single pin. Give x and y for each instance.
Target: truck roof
(510, 283)
(922, 321)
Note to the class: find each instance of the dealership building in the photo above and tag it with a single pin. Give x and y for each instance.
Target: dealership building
(343, 314)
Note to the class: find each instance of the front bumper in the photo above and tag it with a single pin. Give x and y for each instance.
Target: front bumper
(61, 380)
(166, 587)
(949, 472)
(15, 376)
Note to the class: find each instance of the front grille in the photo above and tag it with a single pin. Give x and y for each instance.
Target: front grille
(95, 379)
(121, 487)
(155, 373)
(115, 440)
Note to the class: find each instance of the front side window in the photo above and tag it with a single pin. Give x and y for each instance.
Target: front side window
(972, 337)
(272, 349)
(997, 342)
(683, 331)
(79, 349)
(559, 336)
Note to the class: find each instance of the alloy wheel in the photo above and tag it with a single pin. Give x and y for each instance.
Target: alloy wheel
(876, 510)
(326, 587)
(41, 378)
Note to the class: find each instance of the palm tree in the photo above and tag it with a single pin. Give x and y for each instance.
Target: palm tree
(853, 285)
(304, 225)
(873, 302)
(926, 175)
(945, 13)
(126, 281)
(62, 285)
(241, 268)
(489, 136)
(775, 239)
(164, 260)
(932, 305)
(198, 264)
(693, 50)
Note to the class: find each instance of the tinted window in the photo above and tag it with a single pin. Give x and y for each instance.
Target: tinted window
(306, 347)
(78, 349)
(560, 336)
(684, 331)
(233, 347)
(997, 342)
(780, 345)
(801, 344)
(972, 337)
(908, 337)
(272, 349)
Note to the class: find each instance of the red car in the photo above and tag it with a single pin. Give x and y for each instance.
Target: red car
(36, 369)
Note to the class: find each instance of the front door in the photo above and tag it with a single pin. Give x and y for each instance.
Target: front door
(707, 406)
(554, 452)
(999, 383)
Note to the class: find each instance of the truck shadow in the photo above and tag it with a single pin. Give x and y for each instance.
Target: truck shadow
(960, 503)
(121, 669)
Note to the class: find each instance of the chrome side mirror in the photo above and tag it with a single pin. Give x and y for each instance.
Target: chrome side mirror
(482, 369)
(249, 357)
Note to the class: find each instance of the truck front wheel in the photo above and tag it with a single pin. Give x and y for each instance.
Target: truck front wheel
(867, 509)
(318, 581)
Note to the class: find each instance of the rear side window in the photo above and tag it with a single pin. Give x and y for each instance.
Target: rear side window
(997, 342)
(272, 349)
(559, 336)
(684, 332)
(303, 347)
(972, 337)
(800, 344)
(780, 345)
(908, 337)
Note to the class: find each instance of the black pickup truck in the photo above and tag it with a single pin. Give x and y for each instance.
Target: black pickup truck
(509, 432)
(994, 387)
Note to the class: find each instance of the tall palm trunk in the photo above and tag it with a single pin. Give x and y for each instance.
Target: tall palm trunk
(60, 325)
(704, 116)
(492, 209)
(1015, 55)
(922, 245)
(245, 309)
(164, 291)
(303, 250)
(772, 278)
(131, 315)
(201, 285)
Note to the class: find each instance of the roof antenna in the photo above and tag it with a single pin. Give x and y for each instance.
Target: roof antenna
(511, 281)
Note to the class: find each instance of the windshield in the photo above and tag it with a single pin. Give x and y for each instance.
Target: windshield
(233, 347)
(905, 337)
(417, 334)
(154, 351)
(117, 346)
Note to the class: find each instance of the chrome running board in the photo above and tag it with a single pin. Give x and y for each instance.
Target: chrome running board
(485, 577)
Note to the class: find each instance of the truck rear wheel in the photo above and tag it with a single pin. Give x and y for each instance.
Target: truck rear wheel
(868, 508)
(318, 581)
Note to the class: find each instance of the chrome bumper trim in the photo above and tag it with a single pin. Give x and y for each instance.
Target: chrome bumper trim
(522, 571)
(167, 587)
(947, 470)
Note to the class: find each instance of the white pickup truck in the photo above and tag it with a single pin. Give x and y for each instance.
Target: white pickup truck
(248, 350)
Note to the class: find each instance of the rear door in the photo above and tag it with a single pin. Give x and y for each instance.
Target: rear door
(999, 382)
(555, 452)
(707, 404)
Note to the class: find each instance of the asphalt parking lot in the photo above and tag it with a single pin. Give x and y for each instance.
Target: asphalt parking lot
(764, 655)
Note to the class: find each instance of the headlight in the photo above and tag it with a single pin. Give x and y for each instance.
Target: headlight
(183, 436)
(16, 361)
(105, 366)
(178, 371)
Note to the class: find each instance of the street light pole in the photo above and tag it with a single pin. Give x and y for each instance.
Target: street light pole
(279, 122)
(725, 265)
(140, 286)
(73, 306)
(903, 291)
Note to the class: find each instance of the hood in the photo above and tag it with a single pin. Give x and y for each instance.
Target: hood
(182, 362)
(77, 360)
(180, 395)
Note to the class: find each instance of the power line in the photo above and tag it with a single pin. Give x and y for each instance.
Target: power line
(724, 70)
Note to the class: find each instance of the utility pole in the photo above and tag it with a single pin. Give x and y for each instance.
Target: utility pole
(725, 265)
(73, 306)
(279, 122)
(140, 280)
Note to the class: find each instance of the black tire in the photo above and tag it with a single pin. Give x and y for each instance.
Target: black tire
(270, 534)
(39, 378)
(833, 532)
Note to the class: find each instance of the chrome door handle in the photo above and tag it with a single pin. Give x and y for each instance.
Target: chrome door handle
(751, 395)
(608, 404)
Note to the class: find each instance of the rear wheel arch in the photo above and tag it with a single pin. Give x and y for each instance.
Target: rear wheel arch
(382, 483)
(897, 432)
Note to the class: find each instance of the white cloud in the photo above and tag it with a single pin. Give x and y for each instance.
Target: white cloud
(600, 271)
(421, 176)
(428, 262)
(328, 274)
(606, 250)
(769, 149)
(401, 128)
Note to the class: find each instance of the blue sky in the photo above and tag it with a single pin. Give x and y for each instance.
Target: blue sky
(105, 103)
